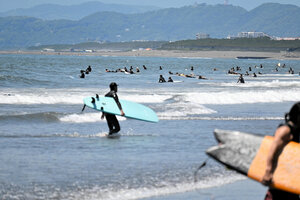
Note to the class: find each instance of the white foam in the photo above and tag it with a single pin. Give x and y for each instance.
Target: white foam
(85, 118)
(241, 97)
(147, 192)
(95, 135)
(181, 109)
(261, 84)
(146, 98)
(42, 96)
(67, 96)
(164, 117)
(78, 135)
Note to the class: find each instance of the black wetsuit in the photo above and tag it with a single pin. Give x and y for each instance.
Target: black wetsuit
(241, 80)
(275, 194)
(112, 121)
(161, 79)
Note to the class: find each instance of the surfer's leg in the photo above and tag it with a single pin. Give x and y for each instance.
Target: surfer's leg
(113, 124)
(116, 125)
(110, 123)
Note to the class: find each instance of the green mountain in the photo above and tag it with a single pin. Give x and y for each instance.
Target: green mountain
(274, 19)
(161, 25)
(75, 12)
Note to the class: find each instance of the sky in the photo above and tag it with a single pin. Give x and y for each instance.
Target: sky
(6, 5)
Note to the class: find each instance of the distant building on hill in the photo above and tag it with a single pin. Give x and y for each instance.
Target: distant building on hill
(252, 35)
(89, 50)
(231, 37)
(259, 35)
(48, 50)
(202, 36)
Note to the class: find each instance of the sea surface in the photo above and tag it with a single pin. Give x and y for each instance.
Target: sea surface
(52, 150)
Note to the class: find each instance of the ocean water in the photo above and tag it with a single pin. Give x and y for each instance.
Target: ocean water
(52, 150)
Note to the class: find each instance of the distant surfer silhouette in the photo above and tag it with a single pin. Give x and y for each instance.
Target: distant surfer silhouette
(112, 121)
(82, 74)
(170, 79)
(89, 69)
(241, 79)
(161, 79)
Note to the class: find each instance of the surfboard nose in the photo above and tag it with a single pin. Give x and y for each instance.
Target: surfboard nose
(231, 137)
(224, 136)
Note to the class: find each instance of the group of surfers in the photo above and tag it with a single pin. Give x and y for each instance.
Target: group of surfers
(161, 78)
(236, 71)
(127, 71)
(84, 72)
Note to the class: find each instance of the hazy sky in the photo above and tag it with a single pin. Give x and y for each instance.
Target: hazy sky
(248, 4)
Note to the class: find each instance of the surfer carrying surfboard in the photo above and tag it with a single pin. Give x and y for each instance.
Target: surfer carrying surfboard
(112, 121)
(289, 131)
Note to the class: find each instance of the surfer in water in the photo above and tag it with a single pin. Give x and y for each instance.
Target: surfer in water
(82, 74)
(170, 79)
(289, 131)
(161, 79)
(112, 121)
(241, 79)
(88, 69)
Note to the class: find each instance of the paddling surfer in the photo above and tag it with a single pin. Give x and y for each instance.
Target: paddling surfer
(112, 121)
(289, 131)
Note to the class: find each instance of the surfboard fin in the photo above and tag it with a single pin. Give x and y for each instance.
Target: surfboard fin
(97, 97)
(83, 108)
(195, 173)
(93, 100)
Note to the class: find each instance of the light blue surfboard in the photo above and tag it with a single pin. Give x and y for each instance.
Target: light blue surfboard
(131, 109)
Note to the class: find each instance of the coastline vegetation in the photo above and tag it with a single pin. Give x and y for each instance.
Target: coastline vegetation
(238, 44)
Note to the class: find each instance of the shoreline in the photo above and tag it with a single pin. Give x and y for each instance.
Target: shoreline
(246, 189)
(173, 53)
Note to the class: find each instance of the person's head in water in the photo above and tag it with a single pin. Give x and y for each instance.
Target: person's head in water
(113, 86)
(294, 115)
